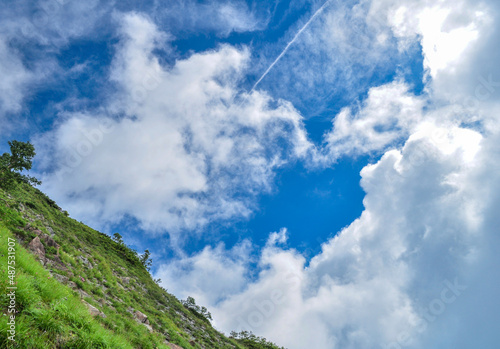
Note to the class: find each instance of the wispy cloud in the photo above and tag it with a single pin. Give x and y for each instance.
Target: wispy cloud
(197, 157)
(290, 43)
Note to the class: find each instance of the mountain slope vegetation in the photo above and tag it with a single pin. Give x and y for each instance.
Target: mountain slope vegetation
(79, 288)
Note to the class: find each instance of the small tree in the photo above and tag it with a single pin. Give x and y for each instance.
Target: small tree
(252, 341)
(145, 260)
(12, 165)
(190, 303)
(118, 238)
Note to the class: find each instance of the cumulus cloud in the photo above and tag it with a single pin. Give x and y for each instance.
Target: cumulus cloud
(457, 38)
(219, 273)
(393, 277)
(177, 145)
(418, 268)
(387, 115)
(185, 147)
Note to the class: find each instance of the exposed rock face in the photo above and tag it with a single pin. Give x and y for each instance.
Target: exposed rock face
(38, 250)
(173, 346)
(50, 230)
(126, 280)
(49, 241)
(150, 329)
(140, 317)
(61, 278)
(83, 293)
(143, 319)
(94, 311)
(85, 262)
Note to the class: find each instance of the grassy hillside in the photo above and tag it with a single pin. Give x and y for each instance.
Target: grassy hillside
(78, 288)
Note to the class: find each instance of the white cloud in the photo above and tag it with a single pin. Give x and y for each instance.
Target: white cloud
(218, 272)
(279, 237)
(221, 17)
(387, 115)
(15, 78)
(333, 60)
(394, 276)
(187, 148)
(457, 37)
(419, 268)
(178, 146)
(31, 35)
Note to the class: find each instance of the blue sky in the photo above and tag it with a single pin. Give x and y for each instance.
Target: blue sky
(355, 178)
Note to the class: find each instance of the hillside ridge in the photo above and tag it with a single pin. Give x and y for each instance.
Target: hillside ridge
(80, 288)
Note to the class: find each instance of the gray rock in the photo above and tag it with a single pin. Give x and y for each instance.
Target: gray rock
(72, 284)
(37, 248)
(61, 278)
(126, 280)
(140, 317)
(49, 241)
(82, 293)
(85, 262)
(50, 230)
(94, 311)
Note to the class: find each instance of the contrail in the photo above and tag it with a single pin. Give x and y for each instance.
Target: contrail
(290, 43)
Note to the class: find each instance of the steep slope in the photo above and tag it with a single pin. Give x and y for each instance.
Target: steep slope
(78, 288)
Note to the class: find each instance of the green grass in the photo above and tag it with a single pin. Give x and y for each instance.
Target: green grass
(52, 315)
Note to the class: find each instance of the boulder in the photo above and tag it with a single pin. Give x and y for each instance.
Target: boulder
(150, 329)
(140, 317)
(126, 280)
(94, 311)
(61, 278)
(50, 230)
(85, 262)
(37, 248)
(56, 262)
(49, 241)
(82, 293)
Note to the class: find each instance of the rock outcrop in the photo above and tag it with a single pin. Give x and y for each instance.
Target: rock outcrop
(38, 249)
(174, 346)
(93, 310)
(143, 319)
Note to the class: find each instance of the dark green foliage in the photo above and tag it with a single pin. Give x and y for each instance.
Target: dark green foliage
(252, 341)
(200, 312)
(12, 165)
(52, 315)
(118, 238)
(146, 261)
